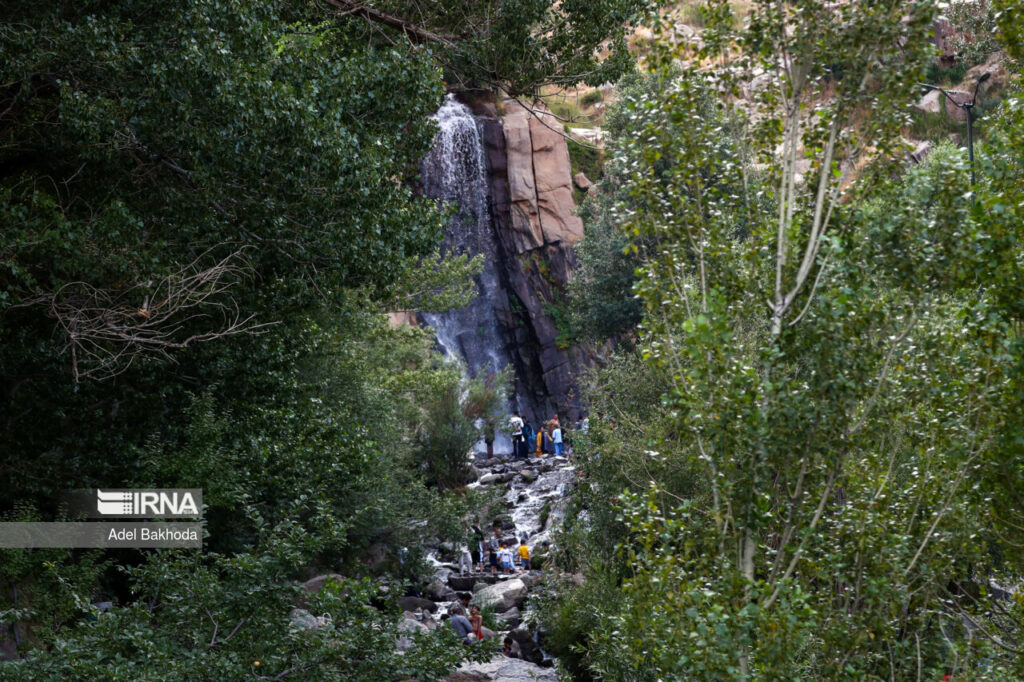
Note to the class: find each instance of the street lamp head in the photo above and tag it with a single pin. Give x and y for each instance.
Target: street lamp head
(984, 77)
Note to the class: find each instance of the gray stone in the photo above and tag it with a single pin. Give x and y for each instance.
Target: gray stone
(413, 603)
(921, 151)
(314, 585)
(302, 619)
(998, 76)
(502, 596)
(439, 591)
(512, 617)
(531, 578)
(529, 649)
(462, 582)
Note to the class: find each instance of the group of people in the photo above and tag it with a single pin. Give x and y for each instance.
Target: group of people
(470, 629)
(498, 553)
(547, 438)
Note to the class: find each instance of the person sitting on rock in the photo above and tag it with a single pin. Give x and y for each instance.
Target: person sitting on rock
(477, 621)
(463, 628)
(524, 555)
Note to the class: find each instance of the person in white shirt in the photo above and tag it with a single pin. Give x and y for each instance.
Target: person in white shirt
(515, 425)
(556, 438)
(505, 556)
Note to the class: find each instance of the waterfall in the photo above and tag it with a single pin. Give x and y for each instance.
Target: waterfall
(455, 171)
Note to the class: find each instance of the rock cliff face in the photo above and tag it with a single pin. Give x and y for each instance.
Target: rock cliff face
(530, 186)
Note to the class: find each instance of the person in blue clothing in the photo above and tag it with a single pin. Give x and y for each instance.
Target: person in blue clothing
(529, 438)
(463, 628)
(556, 438)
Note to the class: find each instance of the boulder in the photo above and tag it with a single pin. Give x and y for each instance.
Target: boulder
(758, 84)
(512, 617)
(921, 151)
(439, 591)
(413, 603)
(502, 669)
(935, 102)
(315, 584)
(302, 619)
(423, 618)
(487, 479)
(998, 76)
(411, 625)
(931, 102)
(408, 627)
(462, 583)
(582, 181)
(529, 475)
(531, 579)
(529, 649)
(502, 596)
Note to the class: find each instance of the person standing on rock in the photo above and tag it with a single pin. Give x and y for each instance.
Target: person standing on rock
(476, 546)
(465, 561)
(524, 555)
(540, 441)
(528, 439)
(515, 425)
(506, 559)
(556, 438)
(492, 552)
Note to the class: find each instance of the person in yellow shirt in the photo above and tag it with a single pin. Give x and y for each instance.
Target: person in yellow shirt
(524, 555)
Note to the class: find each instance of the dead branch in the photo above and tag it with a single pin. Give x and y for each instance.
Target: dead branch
(106, 329)
(414, 32)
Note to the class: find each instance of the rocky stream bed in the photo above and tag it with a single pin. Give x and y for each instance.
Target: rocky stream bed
(534, 492)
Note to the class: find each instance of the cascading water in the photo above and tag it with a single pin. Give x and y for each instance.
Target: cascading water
(455, 171)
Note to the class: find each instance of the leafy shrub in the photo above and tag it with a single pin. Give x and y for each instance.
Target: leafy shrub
(974, 31)
(592, 97)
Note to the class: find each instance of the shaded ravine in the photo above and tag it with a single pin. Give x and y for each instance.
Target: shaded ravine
(535, 492)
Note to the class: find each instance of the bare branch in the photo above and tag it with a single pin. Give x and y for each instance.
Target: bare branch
(414, 32)
(106, 329)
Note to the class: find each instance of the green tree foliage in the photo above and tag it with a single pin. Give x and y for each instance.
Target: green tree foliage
(205, 210)
(514, 46)
(455, 419)
(601, 292)
(842, 357)
(974, 31)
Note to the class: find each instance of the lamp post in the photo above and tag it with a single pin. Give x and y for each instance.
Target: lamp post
(968, 108)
